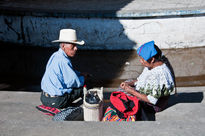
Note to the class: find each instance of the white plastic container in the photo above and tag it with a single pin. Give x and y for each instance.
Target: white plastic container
(93, 112)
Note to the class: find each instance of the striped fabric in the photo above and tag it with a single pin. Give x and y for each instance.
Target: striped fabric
(111, 115)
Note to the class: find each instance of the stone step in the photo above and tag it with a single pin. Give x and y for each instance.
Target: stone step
(184, 116)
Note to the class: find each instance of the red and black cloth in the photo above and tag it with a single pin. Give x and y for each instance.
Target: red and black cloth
(123, 104)
(51, 111)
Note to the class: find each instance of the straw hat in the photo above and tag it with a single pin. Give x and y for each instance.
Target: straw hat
(68, 36)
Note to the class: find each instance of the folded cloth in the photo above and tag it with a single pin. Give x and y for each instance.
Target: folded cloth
(123, 104)
(111, 115)
(69, 114)
(47, 110)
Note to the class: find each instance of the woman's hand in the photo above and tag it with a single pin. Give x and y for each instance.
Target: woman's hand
(130, 90)
(125, 86)
(130, 82)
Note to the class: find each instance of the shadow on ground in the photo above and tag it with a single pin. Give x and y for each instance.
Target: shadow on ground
(189, 97)
(192, 97)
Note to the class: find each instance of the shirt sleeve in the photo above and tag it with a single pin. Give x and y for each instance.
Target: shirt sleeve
(77, 72)
(152, 99)
(135, 83)
(71, 78)
(157, 86)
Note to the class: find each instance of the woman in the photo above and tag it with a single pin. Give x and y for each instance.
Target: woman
(156, 82)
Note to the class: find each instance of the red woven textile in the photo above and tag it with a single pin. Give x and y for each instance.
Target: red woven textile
(127, 105)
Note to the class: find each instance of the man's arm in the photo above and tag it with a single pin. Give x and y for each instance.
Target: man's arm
(71, 78)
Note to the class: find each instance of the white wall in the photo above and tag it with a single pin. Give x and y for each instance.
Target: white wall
(101, 33)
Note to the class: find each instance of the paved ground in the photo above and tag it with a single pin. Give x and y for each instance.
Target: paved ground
(183, 117)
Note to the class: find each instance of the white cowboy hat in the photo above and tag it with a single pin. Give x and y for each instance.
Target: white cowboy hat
(68, 36)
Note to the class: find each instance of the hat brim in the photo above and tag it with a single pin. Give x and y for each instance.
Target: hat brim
(64, 41)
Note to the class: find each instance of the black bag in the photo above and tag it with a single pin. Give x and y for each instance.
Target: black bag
(69, 114)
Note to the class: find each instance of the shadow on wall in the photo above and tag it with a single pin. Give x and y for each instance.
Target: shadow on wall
(24, 64)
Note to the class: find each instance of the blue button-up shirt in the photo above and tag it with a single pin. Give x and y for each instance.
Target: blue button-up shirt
(60, 77)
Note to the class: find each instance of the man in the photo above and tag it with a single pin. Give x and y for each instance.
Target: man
(61, 84)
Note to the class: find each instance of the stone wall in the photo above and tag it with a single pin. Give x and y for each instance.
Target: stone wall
(105, 33)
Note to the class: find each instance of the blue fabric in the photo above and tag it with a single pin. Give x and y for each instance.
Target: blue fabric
(59, 76)
(147, 50)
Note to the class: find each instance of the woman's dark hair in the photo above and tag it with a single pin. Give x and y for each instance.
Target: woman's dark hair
(160, 57)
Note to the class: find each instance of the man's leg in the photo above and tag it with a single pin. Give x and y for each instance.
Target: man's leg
(56, 102)
(64, 101)
(72, 96)
(76, 93)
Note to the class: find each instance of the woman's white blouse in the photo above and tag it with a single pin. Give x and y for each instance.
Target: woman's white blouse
(155, 83)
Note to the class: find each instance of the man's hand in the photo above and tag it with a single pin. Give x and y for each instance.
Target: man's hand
(86, 75)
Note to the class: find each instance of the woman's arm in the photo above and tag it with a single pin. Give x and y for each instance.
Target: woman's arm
(132, 91)
(131, 83)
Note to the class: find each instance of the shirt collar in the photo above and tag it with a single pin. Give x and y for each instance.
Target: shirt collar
(63, 53)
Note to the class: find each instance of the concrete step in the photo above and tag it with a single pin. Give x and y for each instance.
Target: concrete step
(184, 116)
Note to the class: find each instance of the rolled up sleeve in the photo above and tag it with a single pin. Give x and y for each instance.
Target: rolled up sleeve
(152, 99)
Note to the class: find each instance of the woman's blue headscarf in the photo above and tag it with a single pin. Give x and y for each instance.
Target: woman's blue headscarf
(147, 50)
